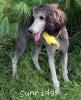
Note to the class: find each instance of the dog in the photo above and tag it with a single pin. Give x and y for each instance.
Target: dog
(51, 19)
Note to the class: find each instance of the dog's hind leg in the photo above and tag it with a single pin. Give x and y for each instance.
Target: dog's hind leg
(14, 63)
(22, 39)
(64, 59)
(37, 49)
(21, 44)
(51, 52)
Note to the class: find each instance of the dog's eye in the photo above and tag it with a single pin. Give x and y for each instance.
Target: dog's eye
(41, 17)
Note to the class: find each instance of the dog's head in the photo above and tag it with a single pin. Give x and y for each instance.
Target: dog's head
(47, 18)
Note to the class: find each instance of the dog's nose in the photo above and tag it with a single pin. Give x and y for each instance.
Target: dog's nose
(30, 31)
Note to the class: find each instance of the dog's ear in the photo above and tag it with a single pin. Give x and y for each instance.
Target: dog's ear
(55, 20)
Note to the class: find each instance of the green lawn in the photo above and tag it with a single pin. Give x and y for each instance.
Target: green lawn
(30, 85)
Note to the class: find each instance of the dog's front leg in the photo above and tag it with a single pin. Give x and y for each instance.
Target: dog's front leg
(51, 51)
(37, 49)
(64, 59)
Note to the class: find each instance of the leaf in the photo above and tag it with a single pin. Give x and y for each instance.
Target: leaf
(4, 27)
(22, 9)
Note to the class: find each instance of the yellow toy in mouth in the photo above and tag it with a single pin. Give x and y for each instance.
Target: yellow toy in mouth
(51, 39)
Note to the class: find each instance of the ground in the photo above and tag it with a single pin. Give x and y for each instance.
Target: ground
(28, 84)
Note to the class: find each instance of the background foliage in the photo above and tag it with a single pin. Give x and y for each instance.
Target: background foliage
(11, 12)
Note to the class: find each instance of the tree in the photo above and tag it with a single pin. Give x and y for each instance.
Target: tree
(11, 12)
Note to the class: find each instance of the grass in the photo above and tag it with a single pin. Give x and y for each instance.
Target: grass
(29, 80)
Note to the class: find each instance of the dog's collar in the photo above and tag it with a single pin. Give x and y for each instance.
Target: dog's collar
(51, 39)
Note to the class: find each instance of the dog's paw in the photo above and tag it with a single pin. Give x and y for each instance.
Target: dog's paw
(67, 80)
(65, 77)
(57, 90)
(41, 71)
